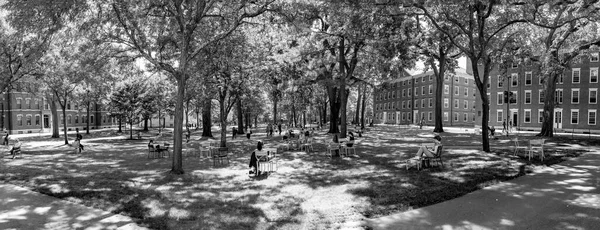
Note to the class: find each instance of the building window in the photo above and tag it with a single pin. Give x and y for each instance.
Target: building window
(527, 96)
(430, 102)
(594, 57)
(466, 104)
(409, 92)
(514, 98)
(540, 115)
(527, 78)
(574, 96)
(500, 98)
(445, 116)
(77, 116)
(466, 92)
(500, 82)
(416, 104)
(430, 89)
(422, 103)
(574, 116)
(456, 102)
(408, 104)
(20, 120)
(593, 96)
(466, 81)
(514, 79)
(28, 118)
(446, 103)
(19, 103)
(558, 97)
(591, 117)
(423, 90)
(37, 119)
(403, 93)
(528, 116)
(499, 115)
(403, 82)
(575, 75)
(416, 91)
(456, 90)
(403, 105)
(561, 78)
(456, 79)
(69, 119)
(68, 105)
(455, 116)
(403, 116)
(594, 75)
(466, 117)
(446, 89)
(28, 103)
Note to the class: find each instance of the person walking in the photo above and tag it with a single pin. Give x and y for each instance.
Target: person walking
(504, 127)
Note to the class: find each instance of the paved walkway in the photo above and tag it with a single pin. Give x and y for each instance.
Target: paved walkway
(562, 196)
(24, 209)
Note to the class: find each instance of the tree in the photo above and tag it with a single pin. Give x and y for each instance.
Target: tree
(128, 100)
(560, 31)
(480, 28)
(171, 33)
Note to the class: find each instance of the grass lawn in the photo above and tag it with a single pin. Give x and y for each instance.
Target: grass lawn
(308, 191)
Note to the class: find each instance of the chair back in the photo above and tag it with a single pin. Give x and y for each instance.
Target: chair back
(516, 141)
(440, 150)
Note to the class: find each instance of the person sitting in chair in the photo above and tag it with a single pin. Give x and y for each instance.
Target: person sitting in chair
(16, 148)
(425, 152)
(253, 161)
(350, 141)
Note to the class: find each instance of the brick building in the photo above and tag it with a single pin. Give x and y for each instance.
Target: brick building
(409, 99)
(576, 97)
(28, 113)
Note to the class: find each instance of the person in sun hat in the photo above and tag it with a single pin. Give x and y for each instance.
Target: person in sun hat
(425, 152)
(15, 148)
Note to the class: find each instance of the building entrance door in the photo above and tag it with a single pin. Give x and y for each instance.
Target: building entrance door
(46, 121)
(558, 119)
(515, 119)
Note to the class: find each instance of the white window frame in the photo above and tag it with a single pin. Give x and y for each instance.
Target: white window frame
(559, 96)
(499, 115)
(500, 83)
(573, 95)
(416, 91)
(456, 115)
(409, 93)
(456, 103)
(423, 103)
(466, 104)
(525, 112)
(540, 115)
(595, 90)
(446, 103)
(466, 92)
(446, 116)
(576, 111)
(446, 89)
(416, 103)
(422, 90)
(589, 116)
(514, 79)
(578, 71)
(430, 102)
(430, 89)
(525, 97)
(456, 90)
(466, 117)
(528, 76)
(430, 116)
(594, 70)
(500, 99)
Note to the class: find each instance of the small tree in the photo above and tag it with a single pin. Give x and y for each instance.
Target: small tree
(127, 99)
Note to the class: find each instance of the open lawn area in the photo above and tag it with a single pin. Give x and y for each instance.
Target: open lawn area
(308, 190)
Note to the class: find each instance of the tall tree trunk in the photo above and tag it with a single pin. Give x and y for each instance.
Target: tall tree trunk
(240, 116)
(358, 102)
(131, 130)
(146, 123)
(120, 124)
(294, 115)
(187, 121)
(363, 107)
(55, 118)
(87, 128)
(439, 87)
(64, 112)
(197, 118)
(304, 118)
(206, 119)
(275, 101)
(177, 163)
(549, 98)
(482, 87)
(334, 107)
(223, 120)
(9, 113)
(159, 121)
(256, 121)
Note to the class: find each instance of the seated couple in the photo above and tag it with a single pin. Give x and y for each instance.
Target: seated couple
(425, 152)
